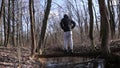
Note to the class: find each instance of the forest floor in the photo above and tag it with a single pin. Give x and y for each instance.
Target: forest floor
(10, 58)
(13, 57)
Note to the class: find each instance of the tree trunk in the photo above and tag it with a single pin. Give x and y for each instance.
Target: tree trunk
(44, 25)
(17, 24)
(4, 21)
(1, 9)
(13, 24)
(21, 25)
(112, 22)
(96, 21)
(32, 24)
(1, 13)
(105, 28)
(119, 20)
(91, 23)
(8, 24)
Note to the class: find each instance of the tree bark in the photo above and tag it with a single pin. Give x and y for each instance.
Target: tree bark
(13, 24)
(8, 24)
(1, 14)
(44, 25)
(21, 25)
(112, 22)
(104, 28)
(1, 9)
(5, 27)
(32, 24)
(91, 23)
(119, 20)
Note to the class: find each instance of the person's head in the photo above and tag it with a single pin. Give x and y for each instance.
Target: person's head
(66, 16)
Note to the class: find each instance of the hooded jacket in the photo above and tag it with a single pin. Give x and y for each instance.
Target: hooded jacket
(67, 24)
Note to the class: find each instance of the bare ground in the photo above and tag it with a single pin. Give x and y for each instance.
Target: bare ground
(9, 58)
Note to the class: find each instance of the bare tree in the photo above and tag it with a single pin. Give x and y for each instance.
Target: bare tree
(1, 9)
(1, 14)
(32, 24)
(91, 23)
(8, 25)
(112, 15)
(85, 18)
(104, 28)
(13, 24)
(5, 25)
(80, 23)
(75, 10)
(119, 20)
(44, 25)
(96, 19)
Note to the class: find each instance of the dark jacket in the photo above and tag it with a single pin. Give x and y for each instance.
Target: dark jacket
(67, 24)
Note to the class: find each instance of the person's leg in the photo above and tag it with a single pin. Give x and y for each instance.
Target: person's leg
(65, 41)
(70, 41)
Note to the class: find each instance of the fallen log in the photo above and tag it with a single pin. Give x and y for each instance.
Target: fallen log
(81, 51)
(75, 54)
(88, 53)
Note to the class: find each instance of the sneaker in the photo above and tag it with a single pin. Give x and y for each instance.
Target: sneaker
(70, 51)
(66, 51)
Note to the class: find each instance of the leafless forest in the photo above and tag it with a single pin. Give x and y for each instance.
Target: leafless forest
(30, 29)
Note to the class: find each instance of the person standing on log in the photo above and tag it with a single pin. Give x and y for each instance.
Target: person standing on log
(67, 25)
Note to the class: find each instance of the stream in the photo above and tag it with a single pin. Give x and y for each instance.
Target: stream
(74, 63)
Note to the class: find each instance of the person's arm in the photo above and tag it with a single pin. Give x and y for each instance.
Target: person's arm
(62, 25)
(74, 24)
